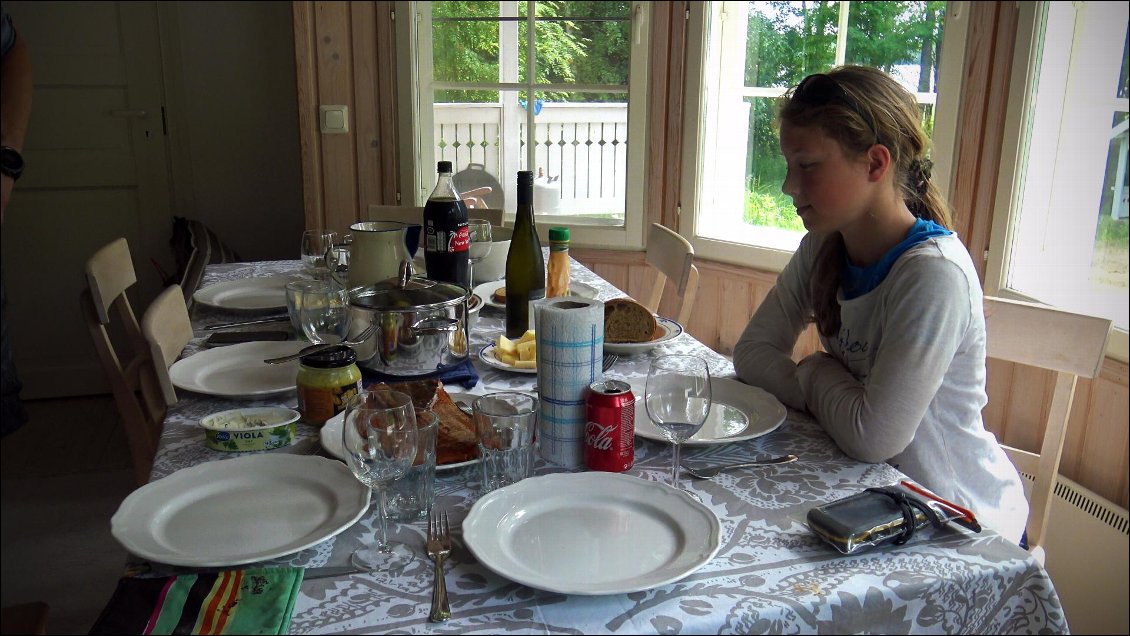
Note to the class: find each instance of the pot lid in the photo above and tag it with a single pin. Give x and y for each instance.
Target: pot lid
(408, 294)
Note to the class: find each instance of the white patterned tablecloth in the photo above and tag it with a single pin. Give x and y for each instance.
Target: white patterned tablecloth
(771, 575)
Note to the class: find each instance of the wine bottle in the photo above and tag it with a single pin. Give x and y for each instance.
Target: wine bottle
(525, 264)
(447, 239)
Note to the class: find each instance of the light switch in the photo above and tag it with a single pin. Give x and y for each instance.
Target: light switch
(335, 119)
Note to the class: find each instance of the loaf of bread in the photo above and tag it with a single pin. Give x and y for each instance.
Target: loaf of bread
(457, 440)
(625, 320)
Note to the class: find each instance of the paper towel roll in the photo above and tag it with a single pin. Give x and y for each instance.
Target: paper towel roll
(570, 336)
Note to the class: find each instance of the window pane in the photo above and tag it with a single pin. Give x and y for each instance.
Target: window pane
(740, 198)
(1069, 245)
(580, 151)
(786, 41)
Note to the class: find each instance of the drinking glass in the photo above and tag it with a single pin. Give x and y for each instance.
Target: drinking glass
(315, 245)
(677, 398)
(325, 312)
(480, 244)
(410, 496)
(506, 422)
(378, 437)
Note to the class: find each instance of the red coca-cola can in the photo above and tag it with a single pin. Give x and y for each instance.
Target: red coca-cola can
(610, 426)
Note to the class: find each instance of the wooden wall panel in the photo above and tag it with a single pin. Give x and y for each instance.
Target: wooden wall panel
(335, 87)
(309, 139)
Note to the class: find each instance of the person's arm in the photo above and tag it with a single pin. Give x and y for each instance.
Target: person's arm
(763, 353)
(15, 105)
(925, 323)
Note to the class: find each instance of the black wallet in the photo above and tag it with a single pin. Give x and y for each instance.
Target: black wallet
(889, 514)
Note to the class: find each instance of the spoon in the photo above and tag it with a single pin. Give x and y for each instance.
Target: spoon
(708, 472)
(325, 346)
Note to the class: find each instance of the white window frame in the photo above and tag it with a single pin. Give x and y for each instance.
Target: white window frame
(414, 37)
(696, 176)
(1006, 209)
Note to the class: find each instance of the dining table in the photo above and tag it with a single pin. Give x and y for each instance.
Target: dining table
(770, 574)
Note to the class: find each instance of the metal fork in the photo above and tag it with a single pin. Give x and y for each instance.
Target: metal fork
(609, 360)
(439, 546)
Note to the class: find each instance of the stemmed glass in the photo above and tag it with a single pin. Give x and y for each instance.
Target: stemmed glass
(677, 398)
(325, 312)
(379, 440)
(480, 244)
(316, 244)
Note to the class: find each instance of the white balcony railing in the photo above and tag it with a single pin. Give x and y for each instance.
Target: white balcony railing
(580, 151)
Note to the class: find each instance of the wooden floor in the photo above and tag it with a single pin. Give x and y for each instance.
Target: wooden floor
(63, 476)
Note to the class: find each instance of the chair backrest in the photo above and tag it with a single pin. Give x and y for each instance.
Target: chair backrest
(1069, 344)
(413, 214)
(128, 363)
(167, 328)
(673, 258)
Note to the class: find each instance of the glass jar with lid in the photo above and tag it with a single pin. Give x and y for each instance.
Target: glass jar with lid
(326, 381)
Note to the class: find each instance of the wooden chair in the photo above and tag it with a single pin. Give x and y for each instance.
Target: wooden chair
(1073, 346)
(672, 256)
(167, 329)
(128, 363)
(412, 214)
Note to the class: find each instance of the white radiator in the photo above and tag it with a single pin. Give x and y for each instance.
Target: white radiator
(1088, 559)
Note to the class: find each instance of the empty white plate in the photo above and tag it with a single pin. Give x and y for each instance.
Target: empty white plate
(738, 411)
(238, 370)
(261, 292)
(240, 510)
(591, 533)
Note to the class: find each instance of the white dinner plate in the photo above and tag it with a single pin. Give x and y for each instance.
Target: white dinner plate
(261, 292)
(330, 436)
(486, 354)
(738, 412)
(591, 533)
(240, 510)
(238, 370)
(670, 329)
(486, 292)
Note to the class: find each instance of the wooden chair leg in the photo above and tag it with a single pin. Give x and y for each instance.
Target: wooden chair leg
(25, 618)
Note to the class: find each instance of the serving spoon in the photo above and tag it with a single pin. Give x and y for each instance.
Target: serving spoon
(711, 471)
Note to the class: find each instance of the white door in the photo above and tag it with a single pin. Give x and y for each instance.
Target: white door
(96, 169)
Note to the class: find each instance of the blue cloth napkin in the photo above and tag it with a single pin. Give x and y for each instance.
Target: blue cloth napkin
(463, 374)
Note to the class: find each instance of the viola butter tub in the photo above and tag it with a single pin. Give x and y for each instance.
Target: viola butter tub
(250, 429)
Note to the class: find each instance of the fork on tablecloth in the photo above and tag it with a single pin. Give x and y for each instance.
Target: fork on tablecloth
(439, 546)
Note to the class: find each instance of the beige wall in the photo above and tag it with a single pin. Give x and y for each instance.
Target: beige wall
(333, 41)
(234, 122)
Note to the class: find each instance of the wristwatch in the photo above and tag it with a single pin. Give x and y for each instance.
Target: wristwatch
(11, 162)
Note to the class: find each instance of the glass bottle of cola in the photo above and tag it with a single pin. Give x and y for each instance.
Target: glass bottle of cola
(446, 237)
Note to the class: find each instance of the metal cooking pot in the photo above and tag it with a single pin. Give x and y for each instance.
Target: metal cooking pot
(420, 325)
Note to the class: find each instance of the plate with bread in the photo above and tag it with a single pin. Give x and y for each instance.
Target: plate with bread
(457, 444)
(494, 292)
(630, 328)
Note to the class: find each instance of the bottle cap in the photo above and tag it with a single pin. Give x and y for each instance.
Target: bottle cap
(339, 356)
(559, 234)
(443, 166)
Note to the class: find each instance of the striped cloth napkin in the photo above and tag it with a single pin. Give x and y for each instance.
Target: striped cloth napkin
(251, 601)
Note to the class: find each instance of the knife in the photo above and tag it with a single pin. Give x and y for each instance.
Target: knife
(257, 321)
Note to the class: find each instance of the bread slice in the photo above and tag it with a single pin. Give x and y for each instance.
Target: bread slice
(499, 296)
(625, 320)
(457, 440)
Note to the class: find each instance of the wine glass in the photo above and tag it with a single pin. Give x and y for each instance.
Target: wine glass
(325, 312)
(315, 245)
(677, 398)
(480, 244)
(378, 437)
